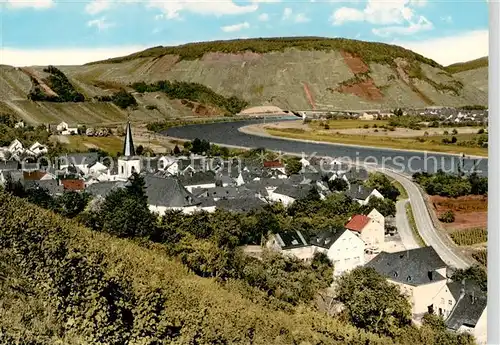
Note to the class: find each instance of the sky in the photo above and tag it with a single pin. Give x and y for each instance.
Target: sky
(64, 32)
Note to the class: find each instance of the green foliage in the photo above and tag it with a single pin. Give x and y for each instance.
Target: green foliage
(411, 219)
(123, 99)
(27, 135)
(65, 284)
(481, 256)
(386, 207)
(372, 303)
(469, 237)
(60, 84)
(338, 184)
(194, 92)
(293, 166)
(469, 65)
(450, 185)
(447, 217)
(369, 52)
(475, 273)
(383, 184)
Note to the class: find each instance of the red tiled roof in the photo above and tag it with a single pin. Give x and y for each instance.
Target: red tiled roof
(273, 164)
(74, 185)
(357, 223)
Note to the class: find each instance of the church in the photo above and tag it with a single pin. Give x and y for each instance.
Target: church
(128, 162)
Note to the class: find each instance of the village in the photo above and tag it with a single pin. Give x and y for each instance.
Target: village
(197, 183)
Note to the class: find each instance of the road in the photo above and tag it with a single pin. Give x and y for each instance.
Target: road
(424, 223)
(229, 135)
(403, 226)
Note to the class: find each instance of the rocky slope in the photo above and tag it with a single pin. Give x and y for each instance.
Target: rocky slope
(474, 72)
(291, 73)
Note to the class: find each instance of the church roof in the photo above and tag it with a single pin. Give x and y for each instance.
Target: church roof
(128, 145)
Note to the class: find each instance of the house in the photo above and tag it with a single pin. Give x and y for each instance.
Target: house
(95, 168)
(287, 194)
(290, 243)
(368, 116)
(79, 161)
(274, 165)
(370, 230)
(16, 148)
(19, 124)
(344, 249)
(51, 186)
(38, 149)
(199, 179)
(168, 194)
(62, 127)
(37, 175)
(66, 129)
(469, 312)
(166, 161)
(421, 275)
(244, 204)
(362, 194)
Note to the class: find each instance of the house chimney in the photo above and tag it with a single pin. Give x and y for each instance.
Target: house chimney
(359, 189)
(472, 297)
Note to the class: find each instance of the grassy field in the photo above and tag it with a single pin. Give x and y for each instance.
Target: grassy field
(413, 225)
(109, 144)
(430, 143)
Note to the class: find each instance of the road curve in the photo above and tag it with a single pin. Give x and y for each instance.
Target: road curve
(424, 223)
(229, 135)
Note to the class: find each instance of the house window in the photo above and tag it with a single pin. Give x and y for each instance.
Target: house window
(450, 302)
(123, 171)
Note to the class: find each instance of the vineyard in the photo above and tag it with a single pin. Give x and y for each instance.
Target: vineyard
(481, 256)
(469, 237)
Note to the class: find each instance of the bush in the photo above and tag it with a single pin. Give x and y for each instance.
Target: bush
(60, 84)
(194, 92)
(123, 99)
(447, 217)
(480, 131)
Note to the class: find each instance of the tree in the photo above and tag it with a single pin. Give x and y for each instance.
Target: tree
(139, 150)
(382, 183)
(453, 139)
(293, 166)
(338, 185)
(70, 204)
(447, 217)
(373, 303)
(177, 150)
(385, 206)
(475, 273)
(454, 131)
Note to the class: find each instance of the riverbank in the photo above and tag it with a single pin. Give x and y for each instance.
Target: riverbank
(260, 130)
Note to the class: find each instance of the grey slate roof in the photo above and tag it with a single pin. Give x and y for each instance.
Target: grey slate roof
(471, 302)
(9, 165)
(52, 186)
(15, 175)
(291, 239)
(103, 188)
(224, 192)
(78, 158)
(326, 239)
(357, 174)
(295, 192)
(167, 192)
(412, 267)
(198, 178)
(240, 204)
(358, 192)
(149, 164)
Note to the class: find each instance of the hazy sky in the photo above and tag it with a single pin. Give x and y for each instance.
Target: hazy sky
(74, 32)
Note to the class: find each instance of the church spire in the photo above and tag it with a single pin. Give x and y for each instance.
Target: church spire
(128, 145)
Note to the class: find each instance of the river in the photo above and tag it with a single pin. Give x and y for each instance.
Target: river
(407, 162)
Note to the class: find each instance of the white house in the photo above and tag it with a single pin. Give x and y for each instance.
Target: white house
(62, 127)
(79, 161)
(421, 275)
(16, 147)
(38, 149)
(164, 162)
(287, 194)
(343, 248)
(19, 124)
(198, 180)
(370, 230)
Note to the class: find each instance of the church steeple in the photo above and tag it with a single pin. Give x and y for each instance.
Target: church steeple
(128, 145)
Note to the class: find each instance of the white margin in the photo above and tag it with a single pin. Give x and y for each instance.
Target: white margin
(494, 173)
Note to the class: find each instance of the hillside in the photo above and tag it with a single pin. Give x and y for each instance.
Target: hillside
(291, 73)
(475, 72)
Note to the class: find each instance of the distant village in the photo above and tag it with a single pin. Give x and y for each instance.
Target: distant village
(198, 183)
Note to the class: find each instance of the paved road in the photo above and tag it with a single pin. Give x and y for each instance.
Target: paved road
(407, 163)
(425, 227)
(403, 225)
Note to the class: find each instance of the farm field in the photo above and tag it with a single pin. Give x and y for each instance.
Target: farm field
(469, 230)
(363, 132)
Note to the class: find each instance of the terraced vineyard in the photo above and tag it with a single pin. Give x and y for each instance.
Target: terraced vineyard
(469, 237)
